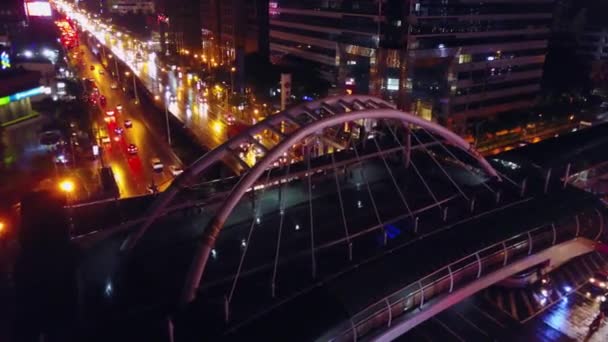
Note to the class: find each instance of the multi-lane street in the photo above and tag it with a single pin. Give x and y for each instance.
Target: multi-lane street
(132, 170)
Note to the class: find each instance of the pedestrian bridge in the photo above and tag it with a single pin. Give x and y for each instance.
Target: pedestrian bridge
(354, 221)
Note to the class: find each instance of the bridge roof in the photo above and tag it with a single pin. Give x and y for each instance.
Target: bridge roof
(338, 299)
(162, 259)
(582, 148)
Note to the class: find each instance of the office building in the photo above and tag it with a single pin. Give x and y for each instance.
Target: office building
(232, 27)
(455, 62)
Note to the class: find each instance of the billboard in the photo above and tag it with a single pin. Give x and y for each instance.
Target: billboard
(38, 9)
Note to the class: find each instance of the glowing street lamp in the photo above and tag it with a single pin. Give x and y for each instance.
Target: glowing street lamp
(2, 227)
(67, 186)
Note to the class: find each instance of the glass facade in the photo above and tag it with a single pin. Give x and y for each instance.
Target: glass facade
(464, 59)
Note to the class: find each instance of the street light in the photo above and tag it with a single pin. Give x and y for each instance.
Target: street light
(232, 70)
(67, 186)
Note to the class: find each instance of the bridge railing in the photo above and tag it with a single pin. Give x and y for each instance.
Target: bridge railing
(589, 224)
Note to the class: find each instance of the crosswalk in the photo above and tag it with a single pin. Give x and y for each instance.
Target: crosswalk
(524, 304)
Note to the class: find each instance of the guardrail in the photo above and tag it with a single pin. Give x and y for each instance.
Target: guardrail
(465, 270)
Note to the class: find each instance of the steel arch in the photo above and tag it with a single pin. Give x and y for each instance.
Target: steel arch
(209, 236)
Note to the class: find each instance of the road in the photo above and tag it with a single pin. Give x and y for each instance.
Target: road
(133, 173)
(499, 314)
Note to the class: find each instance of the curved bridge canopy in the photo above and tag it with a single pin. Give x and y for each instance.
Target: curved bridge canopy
(344, 124)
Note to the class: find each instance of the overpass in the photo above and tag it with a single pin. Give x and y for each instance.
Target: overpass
(360, 243)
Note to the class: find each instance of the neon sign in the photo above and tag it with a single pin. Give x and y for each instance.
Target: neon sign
(5, 61)
(23, 94)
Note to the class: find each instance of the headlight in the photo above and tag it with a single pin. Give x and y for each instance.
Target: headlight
(592, 280)
(544, 292)
(602, 298)
(602, 284)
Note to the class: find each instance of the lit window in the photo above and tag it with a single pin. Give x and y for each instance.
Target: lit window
(392, 83)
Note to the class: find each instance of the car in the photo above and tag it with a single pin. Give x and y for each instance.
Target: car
(230, 119)
(119, 108)
(92, 67)
(599, 286)
(119, 130)
(132, 149)
(105, 139)
(110, 113)
(176, 170)
(101, 71)
(102, 101)
(157, 165)
(114, 85)
(128, 123)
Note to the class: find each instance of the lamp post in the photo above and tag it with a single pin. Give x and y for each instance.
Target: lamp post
(232, 70)
(68, 187)
(167, 121)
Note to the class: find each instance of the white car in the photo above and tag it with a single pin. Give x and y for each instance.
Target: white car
(176, 170)
(101, 72)
(114, 85)
(157, 165)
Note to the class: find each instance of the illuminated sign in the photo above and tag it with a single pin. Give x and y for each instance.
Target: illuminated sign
(5, 61)
(38, 9)
(21, 95)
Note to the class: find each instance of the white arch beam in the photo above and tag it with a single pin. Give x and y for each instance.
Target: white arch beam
(212, 232)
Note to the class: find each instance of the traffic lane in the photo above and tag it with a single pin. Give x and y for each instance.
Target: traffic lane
(138, 165)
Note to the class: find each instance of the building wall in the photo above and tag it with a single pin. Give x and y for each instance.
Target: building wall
(131, 6)
(230, 27)
(463, 59)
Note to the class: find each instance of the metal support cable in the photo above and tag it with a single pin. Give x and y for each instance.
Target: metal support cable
(428, 188)
(312, 235)
(278, 249)
(333, 162)
(390, 173)
(251, 229)
(439, 165)
(369, 190)
(456, 158)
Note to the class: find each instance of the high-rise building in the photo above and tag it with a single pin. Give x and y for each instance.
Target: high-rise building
(453, 61)
(232, 27)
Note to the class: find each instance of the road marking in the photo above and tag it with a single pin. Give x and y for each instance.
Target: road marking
(527, 302)
(512, 305)
(471, 323)
(487, 315)
(448, 329)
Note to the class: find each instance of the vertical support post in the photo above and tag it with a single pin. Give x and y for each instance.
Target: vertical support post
(506, 259)
(421, 294)
(226, 309)
(547, 179)
(390, 312)
(524, 184)
(472, 205)
(350, 251)
(554, 234)
(384, 237)
(599, 234)
(445, 214)
(354, 329)
(451, 278)
(529, 243)
(479, 264)
(408, 146)
(170, 329)
(416, 219)
(273, 289)
(497, 197)
(567, 175)
(578, 225)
